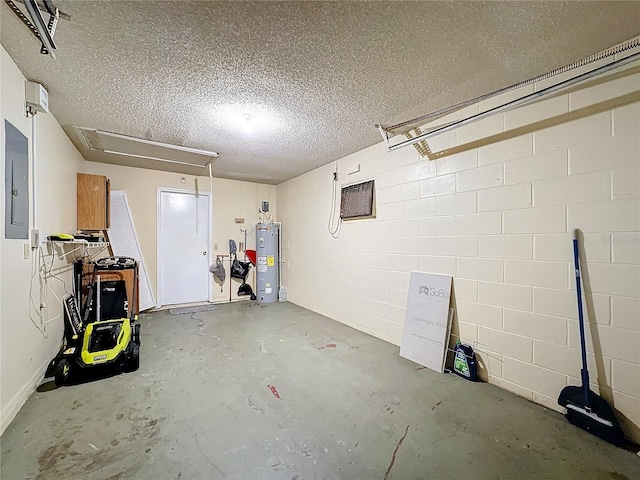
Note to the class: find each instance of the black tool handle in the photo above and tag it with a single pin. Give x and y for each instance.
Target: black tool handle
(583, 349)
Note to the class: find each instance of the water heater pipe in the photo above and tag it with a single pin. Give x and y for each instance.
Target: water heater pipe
(279, 255)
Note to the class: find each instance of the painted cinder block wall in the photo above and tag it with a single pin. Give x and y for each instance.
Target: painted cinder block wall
(495, 208)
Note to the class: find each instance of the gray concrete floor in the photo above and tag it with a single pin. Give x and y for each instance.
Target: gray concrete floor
(204, 406)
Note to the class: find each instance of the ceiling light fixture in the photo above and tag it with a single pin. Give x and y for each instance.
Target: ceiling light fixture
(247, 125)
(248, 119)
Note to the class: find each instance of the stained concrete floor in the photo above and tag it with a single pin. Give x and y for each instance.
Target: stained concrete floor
(279, 392)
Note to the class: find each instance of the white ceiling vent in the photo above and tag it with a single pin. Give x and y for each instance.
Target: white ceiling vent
(137, 152)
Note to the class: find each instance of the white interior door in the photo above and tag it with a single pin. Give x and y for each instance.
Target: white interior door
(183, 252)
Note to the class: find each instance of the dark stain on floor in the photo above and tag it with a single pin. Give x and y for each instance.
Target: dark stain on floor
(143, 431)
(50, 457)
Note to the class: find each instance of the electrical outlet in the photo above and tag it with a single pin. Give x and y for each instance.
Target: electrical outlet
(26, 250)
(353, 169)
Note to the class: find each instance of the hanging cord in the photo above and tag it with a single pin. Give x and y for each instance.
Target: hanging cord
(333, 227)
(37, 322)
(49, 273)
(46, 274)
(45, 271)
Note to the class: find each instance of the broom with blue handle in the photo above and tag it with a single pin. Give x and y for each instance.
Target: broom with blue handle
(585, 408)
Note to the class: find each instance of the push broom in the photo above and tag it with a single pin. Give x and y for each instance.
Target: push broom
(585, 408)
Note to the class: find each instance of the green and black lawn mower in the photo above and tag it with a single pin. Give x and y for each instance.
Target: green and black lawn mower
(104, 334)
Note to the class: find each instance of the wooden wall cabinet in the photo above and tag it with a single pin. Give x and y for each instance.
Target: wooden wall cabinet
(93, 202)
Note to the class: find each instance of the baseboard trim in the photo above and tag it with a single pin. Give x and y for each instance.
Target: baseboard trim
(12, 408)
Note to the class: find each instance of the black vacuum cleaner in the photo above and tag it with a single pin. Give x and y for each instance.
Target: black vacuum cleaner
(585, 408)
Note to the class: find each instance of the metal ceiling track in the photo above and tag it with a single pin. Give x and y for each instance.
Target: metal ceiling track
(415, 136)
(42, 4)
(41, 30)
(15, 9)
(139, 148)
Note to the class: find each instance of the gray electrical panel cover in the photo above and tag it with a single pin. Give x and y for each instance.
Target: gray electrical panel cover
(16, 183)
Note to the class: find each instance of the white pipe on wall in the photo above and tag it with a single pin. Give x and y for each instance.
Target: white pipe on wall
(34, 222)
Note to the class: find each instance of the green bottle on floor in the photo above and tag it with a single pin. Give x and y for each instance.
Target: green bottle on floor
(464, 362)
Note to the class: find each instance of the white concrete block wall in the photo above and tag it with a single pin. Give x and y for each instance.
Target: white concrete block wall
(497, 215)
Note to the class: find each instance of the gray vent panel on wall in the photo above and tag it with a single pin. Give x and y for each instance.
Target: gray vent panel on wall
(124, 243)
(357, 200)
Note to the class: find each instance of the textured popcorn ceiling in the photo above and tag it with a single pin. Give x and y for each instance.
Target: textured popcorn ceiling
(313, 77)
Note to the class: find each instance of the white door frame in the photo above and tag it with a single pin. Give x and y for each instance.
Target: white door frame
(159, 237)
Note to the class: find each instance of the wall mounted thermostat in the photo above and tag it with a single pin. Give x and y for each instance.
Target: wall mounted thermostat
(265, 206)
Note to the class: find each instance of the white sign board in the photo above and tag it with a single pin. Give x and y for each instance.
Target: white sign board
(427, 322)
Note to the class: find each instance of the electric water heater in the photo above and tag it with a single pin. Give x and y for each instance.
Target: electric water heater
(267, 262)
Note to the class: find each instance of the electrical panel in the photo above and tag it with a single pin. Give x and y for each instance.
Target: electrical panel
(16, 183)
